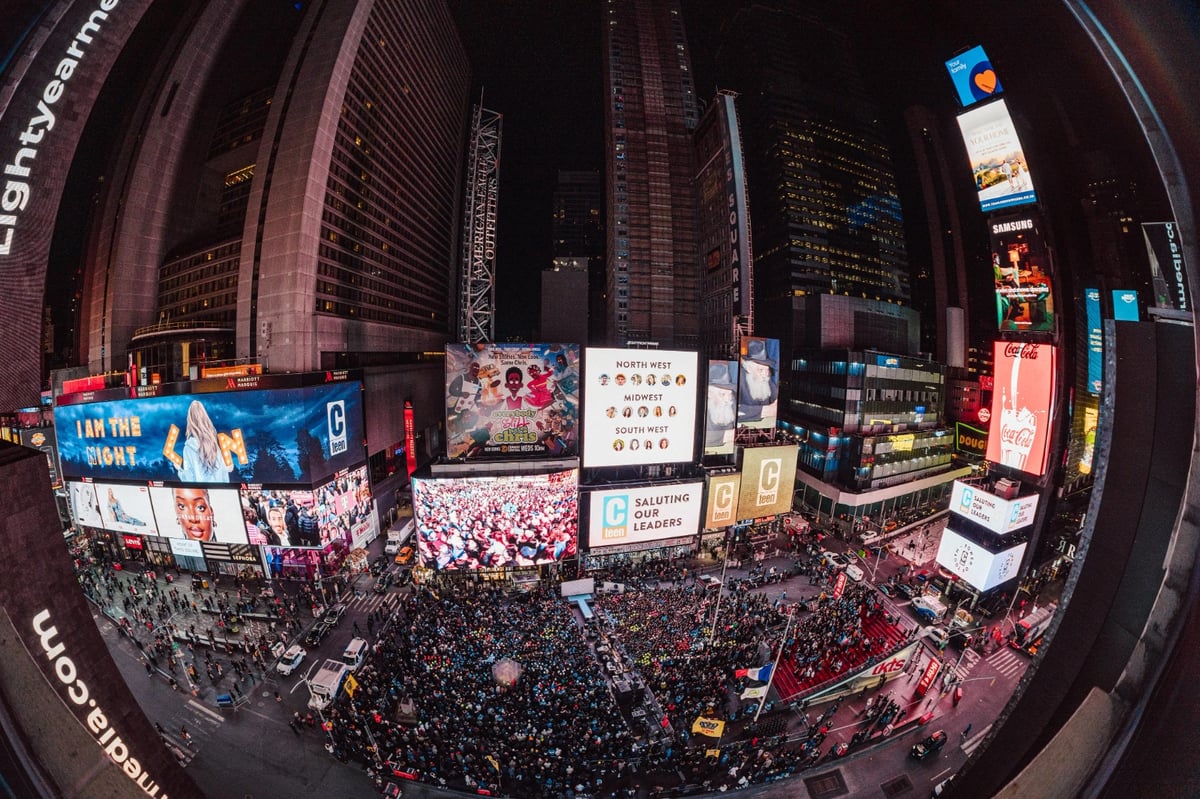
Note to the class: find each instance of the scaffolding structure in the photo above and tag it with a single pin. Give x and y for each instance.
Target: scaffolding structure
(477, 277)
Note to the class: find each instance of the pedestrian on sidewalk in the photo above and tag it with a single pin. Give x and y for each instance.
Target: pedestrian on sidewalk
(967, 731)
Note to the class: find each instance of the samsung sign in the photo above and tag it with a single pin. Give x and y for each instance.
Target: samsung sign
(995, 513)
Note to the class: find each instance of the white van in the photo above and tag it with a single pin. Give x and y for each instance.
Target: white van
(355, 653)
(396, 538)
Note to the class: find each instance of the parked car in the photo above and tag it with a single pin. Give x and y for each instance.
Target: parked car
(291, 659)
(317, 634)
(854, 573)
(709, 581)
(929, 746)
(379, 564)
(905, 590)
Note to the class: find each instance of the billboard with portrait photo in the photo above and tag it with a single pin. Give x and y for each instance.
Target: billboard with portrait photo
(125, 508)
(85, 508)
(973, 76)
(643, 515)
(641, 407)
(768, 481)
(758, 382)
(1021, 269)
(720, 408)
(1022, 403)
(998, 164)
(199, 513)
(472, 523)
(344, 509)
(720, 510)
(271, 436)
(284, 517)
(512, 400)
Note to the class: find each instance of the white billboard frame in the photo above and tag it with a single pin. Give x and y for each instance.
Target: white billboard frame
(634, 515)
(996, 513)
(975, 565)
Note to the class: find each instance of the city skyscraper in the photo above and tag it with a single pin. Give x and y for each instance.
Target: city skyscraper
(652, 286)
(577, 230)
(830, 263)
(347, 245)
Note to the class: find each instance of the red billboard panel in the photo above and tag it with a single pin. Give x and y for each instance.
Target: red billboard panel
(1019, 435)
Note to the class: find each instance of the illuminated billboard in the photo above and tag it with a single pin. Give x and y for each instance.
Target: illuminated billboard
(641, 407)
(970, 439)
(973, 76)
(1125, 305)
(1165, 248)
(199, 513)
(495, 522)
(995, 513)
(512, 400)
(274, 436)
(970, 562)
(1091, 420)
(721, 508)
(1021, 270)
(84, 506)
(768, 480)
(998, 164)
(1095, 335)
(343, 508)
(720, 409)
(644, 515)
(125, 508)
(758, 382)
(283, 517)
(1019, 434)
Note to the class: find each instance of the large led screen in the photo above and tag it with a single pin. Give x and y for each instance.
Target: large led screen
(1019, 432)
(721, 508)
(995, 513)
(998, 163)
(283, 517)
(644, 515)
(973, 76)
(494, 522)
(84, 506)
(768, 480)
(982, 569)
(758, 382)
(270, 436)
(125, 508)
(1165, 248)
(720, 409)
(1021, 269)
(1095, 335)
(512, 400)
(343, 507)
(641, 407)
(200, 514)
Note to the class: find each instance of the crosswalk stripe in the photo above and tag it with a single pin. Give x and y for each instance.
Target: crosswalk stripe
(972, 743)
(199, 708)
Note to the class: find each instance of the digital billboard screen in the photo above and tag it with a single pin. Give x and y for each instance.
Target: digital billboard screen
(970, 439)
(495, 522)
(1019, 433)
(1021, 269)
(344, 509)
(758, 382)
(1095, 336)
(721, 509)
(982, 569)
(995, 513)
(512, 400)
(641, 407)
(274, 436)
(644, 514)
(768, 480)
(200, 513)
(125, 508)
(84, 506)
(283, 517)
(998, 164)
(1125, 305)
(720, 409)
(973, 76)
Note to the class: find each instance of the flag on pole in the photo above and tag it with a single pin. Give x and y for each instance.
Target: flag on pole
(762, 673)
(755, 693)
(713, 728)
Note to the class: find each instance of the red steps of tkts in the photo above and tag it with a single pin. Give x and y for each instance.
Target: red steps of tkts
(787, 680)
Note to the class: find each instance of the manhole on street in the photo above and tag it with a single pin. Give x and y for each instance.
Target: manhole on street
(826, 786)
(897, 786)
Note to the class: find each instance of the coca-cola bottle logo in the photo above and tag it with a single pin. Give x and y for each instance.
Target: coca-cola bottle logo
(1018, 436)
(1026, 352)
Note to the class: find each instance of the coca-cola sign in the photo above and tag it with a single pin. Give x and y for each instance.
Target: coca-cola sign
(1019, 429)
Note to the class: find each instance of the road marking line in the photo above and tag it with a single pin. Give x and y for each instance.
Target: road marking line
(192, 703)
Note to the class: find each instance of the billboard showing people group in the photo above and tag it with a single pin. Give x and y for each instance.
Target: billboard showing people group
(645, 514)
(641, 407)
(973, 76)
(758, 382)
(1021, 269)
(998, 162)
(768, 480)
(512, 400)
(496, 522)
(1019, 433)
(343, 508)
(281, 517)
(273, 436)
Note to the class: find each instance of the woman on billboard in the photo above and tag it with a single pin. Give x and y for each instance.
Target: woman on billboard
(194, 511)
(202, 459)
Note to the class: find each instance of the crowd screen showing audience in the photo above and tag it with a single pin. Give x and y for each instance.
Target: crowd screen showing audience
(496, 522)
(343, 507)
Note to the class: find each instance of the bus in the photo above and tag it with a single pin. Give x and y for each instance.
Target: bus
(1029, 631)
